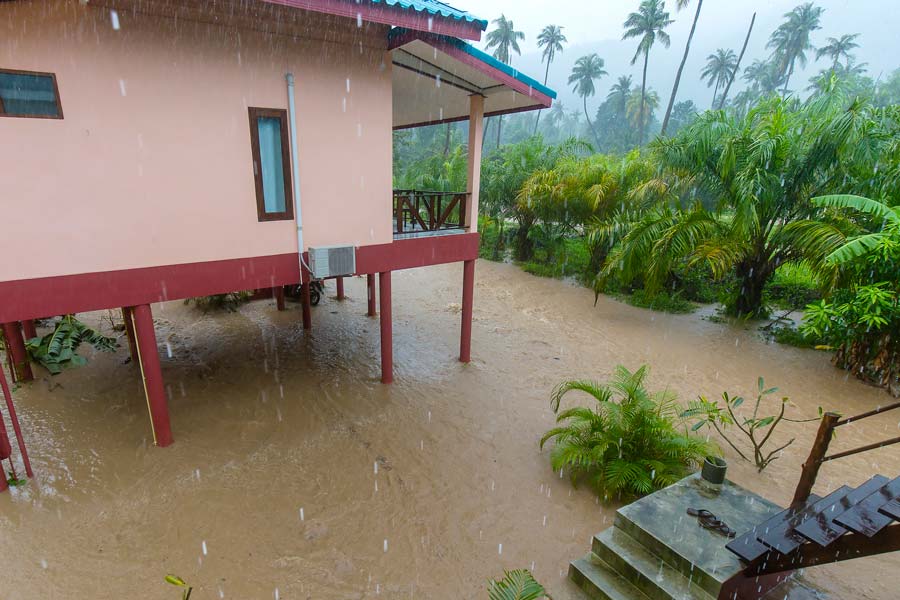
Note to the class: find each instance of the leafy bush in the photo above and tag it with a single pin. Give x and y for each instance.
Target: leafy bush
(758, 430)
(516, 585)
(58, 349)
(630, 442)
(792, 336)
(229, 302)
(661, 301)
(570, 259)
(793, 286)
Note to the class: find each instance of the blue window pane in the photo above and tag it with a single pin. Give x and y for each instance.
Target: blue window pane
(27, 94)
(271, 163)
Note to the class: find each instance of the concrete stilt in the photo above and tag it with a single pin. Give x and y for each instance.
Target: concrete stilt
(370, 292)
(129, 333)
(18, 357)
(157, 403)
(340, 288)
(387, 347)
(28, 329)
(11, 409)
(278, 294)
(465, 337)
(307, 305)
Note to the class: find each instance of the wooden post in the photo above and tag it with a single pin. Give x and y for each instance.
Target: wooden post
(278, 294)
(28, 329)
(148, 355)
(18, 357)
(468, 292)
(387, 348)
(340, 288)
(473, 182)
(11, 409)
(814, 461)
(129, 333)
(370, 292)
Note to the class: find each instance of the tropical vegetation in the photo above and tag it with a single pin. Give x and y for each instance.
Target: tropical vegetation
(629, 442)
(58, 349)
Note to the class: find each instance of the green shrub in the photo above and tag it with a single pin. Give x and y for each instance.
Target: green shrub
(59, 349)
(661, 301)
(791, 336)
(792, 286)
(230, 301)
(519, 584)
(631, 442)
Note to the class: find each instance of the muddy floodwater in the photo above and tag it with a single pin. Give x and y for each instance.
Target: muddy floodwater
(296, 474)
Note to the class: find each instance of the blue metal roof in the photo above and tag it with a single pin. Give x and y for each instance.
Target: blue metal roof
(485, 58)
(434, 7)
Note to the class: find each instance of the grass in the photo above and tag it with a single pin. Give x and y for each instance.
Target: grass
(793, 285)
(661, 301)
(791, 336)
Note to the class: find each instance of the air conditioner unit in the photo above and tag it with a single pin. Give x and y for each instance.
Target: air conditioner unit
(332, 261)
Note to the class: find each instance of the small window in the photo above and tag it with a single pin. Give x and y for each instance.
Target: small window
(29, 94)
(271, 164)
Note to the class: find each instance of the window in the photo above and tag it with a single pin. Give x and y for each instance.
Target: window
(29, 94)
(271, 164)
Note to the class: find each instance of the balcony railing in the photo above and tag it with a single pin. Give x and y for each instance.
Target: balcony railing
(418, 212)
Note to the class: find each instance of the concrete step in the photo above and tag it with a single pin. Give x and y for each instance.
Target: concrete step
(649, 573)
(600, 581)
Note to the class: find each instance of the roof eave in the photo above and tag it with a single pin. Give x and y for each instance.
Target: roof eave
(392, 15)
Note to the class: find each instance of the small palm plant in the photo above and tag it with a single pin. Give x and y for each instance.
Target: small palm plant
(516, 585)
(631, 442)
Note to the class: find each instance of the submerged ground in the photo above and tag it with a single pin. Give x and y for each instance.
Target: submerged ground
(296, 474)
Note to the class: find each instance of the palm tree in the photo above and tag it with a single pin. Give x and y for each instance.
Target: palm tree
(738, 65)
(649, 101)
(836, 48)
(551, 39)
(687, 48)
(504, 40)
(791, 40)
(586, 70)
(719, 69)
(648, 24)
(619, 94)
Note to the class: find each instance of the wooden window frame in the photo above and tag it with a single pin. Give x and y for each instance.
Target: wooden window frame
(281, 114)
(52, 76)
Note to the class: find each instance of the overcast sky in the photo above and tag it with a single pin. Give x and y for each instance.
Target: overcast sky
(596, 26)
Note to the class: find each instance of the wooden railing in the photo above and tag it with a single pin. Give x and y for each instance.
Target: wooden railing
(417, 211)
(819, 452)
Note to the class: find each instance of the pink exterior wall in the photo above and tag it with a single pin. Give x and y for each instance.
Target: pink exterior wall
(152, 163)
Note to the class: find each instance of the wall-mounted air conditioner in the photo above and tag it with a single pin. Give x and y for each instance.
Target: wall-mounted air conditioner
(332, 261)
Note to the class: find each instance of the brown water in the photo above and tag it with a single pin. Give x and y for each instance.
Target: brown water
(406, 491)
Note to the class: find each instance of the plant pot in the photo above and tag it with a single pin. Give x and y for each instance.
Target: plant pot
(714, 470)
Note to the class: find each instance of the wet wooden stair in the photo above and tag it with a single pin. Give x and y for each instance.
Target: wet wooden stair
(847, 523)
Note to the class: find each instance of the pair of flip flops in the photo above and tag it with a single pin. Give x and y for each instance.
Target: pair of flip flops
(707, 520)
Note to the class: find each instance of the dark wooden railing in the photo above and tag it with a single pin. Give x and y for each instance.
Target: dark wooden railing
(819, 452)
(417, 211)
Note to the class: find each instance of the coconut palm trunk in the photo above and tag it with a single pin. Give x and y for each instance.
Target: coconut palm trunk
(687, 49)
(591, 125)
(643, 98)
(737, 67)
(546, 77)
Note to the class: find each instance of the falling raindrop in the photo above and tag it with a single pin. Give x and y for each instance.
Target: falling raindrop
(385, 544)
(301, 514)
(500, 549)
(114, 19)
(203, 547)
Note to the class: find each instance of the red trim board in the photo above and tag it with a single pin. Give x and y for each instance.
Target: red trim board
(51, 296)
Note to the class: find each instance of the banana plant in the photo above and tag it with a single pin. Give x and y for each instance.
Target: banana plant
(58, 349)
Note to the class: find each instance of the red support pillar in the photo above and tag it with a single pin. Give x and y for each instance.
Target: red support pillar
(11, 409)
(278, 294)
(340, 288)
(129, 333)
(465, 337)
(370, 291)
(307, 305)
(15, 349)
(142, 318)
(28, 329)
(387, 347)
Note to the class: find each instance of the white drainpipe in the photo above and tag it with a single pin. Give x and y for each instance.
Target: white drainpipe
(295, 168)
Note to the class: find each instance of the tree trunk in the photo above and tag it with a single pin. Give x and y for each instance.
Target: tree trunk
(499, 127)
(643, 96)
(715, 93)
(752, 274)
(591, 125)
(787, 79)
(687, 49)
(447, 141)
(546, 76)
(524, 246)
(498, 243)
(737, 67)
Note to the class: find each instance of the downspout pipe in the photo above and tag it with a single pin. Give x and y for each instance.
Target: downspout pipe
(295, 167)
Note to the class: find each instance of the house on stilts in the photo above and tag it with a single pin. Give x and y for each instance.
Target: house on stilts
(173, 149)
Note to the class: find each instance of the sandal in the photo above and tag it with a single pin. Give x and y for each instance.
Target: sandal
(707, 520)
